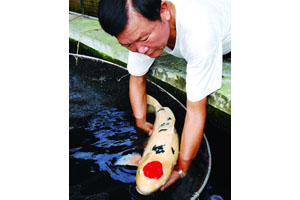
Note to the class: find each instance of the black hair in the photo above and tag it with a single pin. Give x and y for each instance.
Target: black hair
(113, 14)
(150, 9)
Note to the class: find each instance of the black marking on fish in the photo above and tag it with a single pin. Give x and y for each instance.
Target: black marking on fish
(173, 151)
(162, 125)
(158, 149)
(169, 118)
(160, 109)
(164, 129)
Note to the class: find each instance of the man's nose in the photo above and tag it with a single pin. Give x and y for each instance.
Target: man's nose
(142, 48)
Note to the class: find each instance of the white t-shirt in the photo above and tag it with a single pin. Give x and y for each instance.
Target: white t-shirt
(202, 38)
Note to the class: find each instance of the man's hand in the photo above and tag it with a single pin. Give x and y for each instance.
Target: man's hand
(144, 126)
(174, 177)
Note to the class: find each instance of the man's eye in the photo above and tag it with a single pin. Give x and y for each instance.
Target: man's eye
(144, 40)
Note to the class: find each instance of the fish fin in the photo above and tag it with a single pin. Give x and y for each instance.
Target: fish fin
(130, 159)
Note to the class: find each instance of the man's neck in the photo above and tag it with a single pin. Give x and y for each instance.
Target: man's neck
(172, 23)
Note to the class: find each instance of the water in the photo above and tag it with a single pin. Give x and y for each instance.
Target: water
(102, 129)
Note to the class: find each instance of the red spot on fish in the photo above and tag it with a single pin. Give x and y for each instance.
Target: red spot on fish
(153, 170)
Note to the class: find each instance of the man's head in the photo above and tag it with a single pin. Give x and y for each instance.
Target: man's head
(139, 25)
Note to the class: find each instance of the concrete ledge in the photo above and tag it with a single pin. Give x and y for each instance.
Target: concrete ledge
(166, 68)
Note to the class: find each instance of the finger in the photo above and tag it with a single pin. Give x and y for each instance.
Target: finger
(173, 178)
(147, 130)
(170, 182)
(149, 127)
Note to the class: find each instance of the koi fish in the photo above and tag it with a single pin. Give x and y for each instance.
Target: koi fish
(160, 154)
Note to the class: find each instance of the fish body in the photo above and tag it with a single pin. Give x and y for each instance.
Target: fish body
(160, 154)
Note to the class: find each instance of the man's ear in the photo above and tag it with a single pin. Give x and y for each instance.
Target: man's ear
(165, 12)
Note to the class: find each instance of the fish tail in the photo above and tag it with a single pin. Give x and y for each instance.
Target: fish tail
(152, 104)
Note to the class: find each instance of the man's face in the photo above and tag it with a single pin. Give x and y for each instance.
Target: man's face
(144, 36)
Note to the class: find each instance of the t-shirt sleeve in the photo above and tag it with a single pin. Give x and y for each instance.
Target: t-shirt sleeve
(204, 75)
(138, 64)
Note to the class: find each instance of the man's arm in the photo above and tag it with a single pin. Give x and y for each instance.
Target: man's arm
(191, 137)
(138, 100)
(192, 132)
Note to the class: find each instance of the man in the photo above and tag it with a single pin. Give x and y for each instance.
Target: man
(196, 30)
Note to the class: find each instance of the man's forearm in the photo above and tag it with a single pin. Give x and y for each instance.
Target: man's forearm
(137, 95)
(192, 133)
(138, 100)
